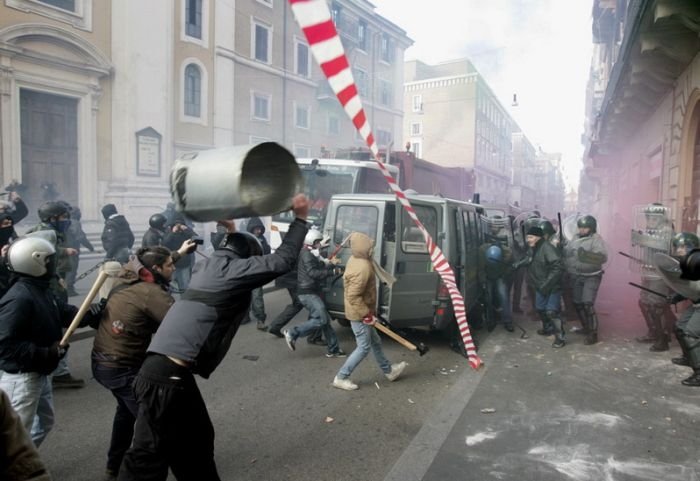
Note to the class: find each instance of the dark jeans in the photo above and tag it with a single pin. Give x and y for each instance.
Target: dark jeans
(172, 430)
(119, 380)
(288, 313)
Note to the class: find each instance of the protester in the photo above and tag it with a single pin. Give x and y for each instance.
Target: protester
(117, 238)
(360, 298)
(75, 237)
(31, 317)
(175, 235)
(173, 428)
(136, 305)
(311, 270)
(257, 308)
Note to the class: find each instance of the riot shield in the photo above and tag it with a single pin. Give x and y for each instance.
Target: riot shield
(497, 231)
(520, 227)
(569, 226)
(670, 271)
(651, 234)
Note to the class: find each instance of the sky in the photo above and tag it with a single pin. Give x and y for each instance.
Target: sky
(537, 49)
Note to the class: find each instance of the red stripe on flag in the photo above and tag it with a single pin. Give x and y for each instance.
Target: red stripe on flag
(347, 93)
(335, 66)
(320, 32)
(370, 139)
(360, 120)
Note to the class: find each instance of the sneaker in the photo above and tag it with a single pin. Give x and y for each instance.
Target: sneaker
(558, 343)
(261, 326)
(275, 332)
(66, 381)
(345, 384)
(396, 370)
(291, 342)
(338, 353)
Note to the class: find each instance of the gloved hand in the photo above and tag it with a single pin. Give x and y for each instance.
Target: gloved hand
(93, 316)
(675, 298)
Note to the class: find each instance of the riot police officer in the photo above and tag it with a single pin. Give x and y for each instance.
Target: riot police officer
(584, 257)
(156, 230)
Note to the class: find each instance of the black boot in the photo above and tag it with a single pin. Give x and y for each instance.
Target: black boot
(683, 360)
(558, 326)
(660, 344)
(651, 334)
(581, 314)
(692, 348)
(547, 327)
(592, 323)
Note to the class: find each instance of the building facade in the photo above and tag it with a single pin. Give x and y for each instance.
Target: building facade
(523, 189)
(98, 97)
(643, 140)
(452, 118)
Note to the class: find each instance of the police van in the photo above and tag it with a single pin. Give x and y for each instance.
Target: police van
(418, 298)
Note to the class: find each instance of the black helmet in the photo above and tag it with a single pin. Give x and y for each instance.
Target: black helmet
(51, 209)
(157, 221)
(687, 239)
(243, 244)
(547, 227)
(587, 222)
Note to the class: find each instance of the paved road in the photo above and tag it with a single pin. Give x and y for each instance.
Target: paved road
(269, 406)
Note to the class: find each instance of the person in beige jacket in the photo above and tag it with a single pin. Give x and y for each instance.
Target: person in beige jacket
(360, 297)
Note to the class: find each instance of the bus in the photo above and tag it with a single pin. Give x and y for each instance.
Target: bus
(324, 178)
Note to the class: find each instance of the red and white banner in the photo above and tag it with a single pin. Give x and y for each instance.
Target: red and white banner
(314, 18)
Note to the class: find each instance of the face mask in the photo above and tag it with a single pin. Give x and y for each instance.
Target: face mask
(62, 225)
(5, 235)
(316, 252)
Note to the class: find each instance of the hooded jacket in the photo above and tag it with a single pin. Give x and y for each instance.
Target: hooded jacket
(546, 268)
(252, 224)
(116, 235)
(135, 307)
(201, 325)
(31, 319)
(360, 295)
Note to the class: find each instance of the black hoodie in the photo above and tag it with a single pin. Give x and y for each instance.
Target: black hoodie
(252, 224)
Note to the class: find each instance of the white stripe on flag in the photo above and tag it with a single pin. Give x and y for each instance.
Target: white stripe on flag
(365, 129)
(311, 13)
(328, 50)
(341, 81)
(353, 106)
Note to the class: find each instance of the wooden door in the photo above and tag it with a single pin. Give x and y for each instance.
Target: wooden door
(49, 129)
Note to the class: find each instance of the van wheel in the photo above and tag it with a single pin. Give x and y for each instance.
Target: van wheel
(343, 322)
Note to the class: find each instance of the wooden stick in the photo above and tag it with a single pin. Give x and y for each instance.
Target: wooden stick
(105, 273)
(407, 344)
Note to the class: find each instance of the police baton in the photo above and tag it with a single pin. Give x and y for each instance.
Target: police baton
(650, 291)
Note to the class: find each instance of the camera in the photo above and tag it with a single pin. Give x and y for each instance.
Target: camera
(198, 240)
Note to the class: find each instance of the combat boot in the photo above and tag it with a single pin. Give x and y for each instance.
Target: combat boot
(651, 334)
(581, 314)
(684, 359)
(558, 326)
(692, 345)
(547, 327)
(592, 324)
(660, 343)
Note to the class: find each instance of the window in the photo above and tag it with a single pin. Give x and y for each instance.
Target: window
(385, 93)
(386, 49)
(416, 128)
(302, 151)
(360, 81)
(416, 148)
(63, 4)
(301, 116)
(351, 218)
(193, 18)
(417, 103)
(260, 106)
(362, 35)
(303, 60)
(333, 125)
(193, 91)
(335, 13)
(383, 137)
(261, 44)
(412, 240)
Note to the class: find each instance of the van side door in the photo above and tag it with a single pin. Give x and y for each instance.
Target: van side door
(412, 296)
(345, 217)
(472, 242)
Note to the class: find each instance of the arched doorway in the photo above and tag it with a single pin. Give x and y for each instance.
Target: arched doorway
(689, 180)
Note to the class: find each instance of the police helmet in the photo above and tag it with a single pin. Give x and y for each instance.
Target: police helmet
(655, 208)
(157, 221)
(547, 227)
(686, 239)
(51, 209)
(587, 222)
(30, 256)
(243, 244)
(312, 236)
(494, 254)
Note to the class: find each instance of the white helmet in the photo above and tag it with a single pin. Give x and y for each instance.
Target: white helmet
(312, 236)
(30, 256)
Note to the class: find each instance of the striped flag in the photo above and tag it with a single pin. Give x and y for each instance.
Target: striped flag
(314, 18)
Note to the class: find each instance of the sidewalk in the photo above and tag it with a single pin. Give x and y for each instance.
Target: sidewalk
(612, 411)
